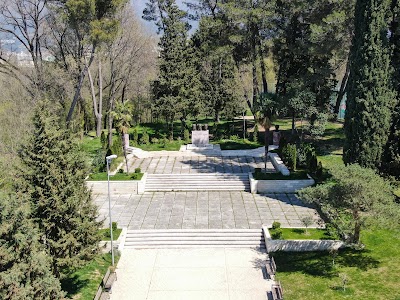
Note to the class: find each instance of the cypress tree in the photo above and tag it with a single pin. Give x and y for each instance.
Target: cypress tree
(391, 157)
(24, 268)
(53, 179)
(370, 97)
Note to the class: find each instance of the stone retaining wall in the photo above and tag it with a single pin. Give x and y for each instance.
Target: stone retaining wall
(278, 164)
(299, 245)
(278, 186)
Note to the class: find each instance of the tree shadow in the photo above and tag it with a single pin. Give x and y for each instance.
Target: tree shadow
(319, 263)
(72, 285)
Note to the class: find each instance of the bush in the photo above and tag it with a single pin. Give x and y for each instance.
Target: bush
(255, 133)
(98, 161)
(154, 140)
(138, 170)
(186, 136)
(135, 137)
(276, 234)
(121, 171)
(305, 152)
(257, 170)
(320, 171)
(145, 139)
(276, 225)
(282, 144)
(103, 140)
(289, 156)
(116, 147)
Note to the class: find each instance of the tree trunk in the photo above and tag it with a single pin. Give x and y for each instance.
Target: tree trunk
(97, 107)
(79, 86)
(357, 227)
(266, 146)
(100, 110)
(111, 105)
(342, 89)
(262, 65)
(125, 155)
(293, 122)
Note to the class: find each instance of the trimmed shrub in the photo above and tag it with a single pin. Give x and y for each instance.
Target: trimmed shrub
(186, 136)
(103, 140)
(276, 225)
(145, 139)
(116, 147)
(255, 133)
(138, 170)
(289, 156)
(154, 140)
(276, 234)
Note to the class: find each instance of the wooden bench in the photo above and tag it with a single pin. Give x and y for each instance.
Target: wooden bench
(276, 292)
(108, 280)
(105, 286)
(270, 268)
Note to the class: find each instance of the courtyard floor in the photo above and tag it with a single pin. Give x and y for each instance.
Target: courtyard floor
(204, 210)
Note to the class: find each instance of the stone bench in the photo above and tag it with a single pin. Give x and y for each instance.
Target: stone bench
(270, 268)
(276, 292)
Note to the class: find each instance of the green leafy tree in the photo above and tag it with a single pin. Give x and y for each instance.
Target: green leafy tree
(354, 195)
(53, 179)
(370, 98)
(25, 271)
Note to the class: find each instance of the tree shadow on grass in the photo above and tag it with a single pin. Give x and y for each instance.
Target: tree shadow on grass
(319, 263)
(72, 285)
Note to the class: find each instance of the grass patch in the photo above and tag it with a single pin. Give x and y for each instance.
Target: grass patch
(119, 176)
(105, 234)
(371, 272)
(237, 144)
(83, 283)
(168, 146)
(296, 175)
(300, 234)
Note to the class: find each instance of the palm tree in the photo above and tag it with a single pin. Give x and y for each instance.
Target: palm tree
(122, 115)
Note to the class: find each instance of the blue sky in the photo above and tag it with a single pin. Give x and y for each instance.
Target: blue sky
(139, 5)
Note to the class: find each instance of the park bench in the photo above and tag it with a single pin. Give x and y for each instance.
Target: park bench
(106, 285)
(276, 292)
(270, 268)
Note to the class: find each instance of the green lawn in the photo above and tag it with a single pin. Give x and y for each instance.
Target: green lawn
(299, 174)
(237, 144)
(373, 273)
(105, 236)
(83, 283)
(119, 176)
(300, 234)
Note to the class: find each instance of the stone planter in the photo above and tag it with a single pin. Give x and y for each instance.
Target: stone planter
(299, 245)
(118, 187)
(278, 186)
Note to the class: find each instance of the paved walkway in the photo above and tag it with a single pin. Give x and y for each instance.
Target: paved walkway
(199, 164)
(204, 210)
(195, 274)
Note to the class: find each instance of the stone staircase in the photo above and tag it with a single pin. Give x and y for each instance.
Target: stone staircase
(196, 238)
(197, 182)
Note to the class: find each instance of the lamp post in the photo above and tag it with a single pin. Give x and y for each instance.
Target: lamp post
(109, 159)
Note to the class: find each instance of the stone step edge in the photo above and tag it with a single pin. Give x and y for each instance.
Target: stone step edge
(191, 246)
(233, 230)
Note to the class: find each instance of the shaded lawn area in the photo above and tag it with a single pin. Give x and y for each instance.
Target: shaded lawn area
(372, 273)
(294, 175)
(83, 283)
(119, 176)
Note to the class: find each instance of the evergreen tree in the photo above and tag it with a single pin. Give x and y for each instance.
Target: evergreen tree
(391, 156)
(176, 92)
(370, 98)
(24, 268)
(53, 179)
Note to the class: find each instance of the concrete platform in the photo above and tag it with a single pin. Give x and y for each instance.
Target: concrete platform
(196, 274)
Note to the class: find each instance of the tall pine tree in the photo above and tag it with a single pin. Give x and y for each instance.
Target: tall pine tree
(391, 157)
(177, 90)
(24, 267)
(53, 179)
(370, 97)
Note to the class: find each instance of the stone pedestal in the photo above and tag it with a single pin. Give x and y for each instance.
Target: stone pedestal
(276, 137)
(200, 137)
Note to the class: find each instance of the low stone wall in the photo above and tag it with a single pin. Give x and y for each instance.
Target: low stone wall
(278, 186)
(299, 245)
(118, 187)
(278, 164)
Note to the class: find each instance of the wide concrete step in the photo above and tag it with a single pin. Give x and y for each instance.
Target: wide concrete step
(176, 238)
